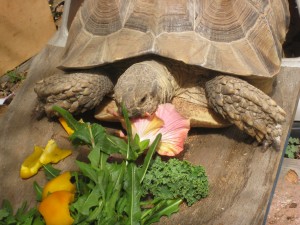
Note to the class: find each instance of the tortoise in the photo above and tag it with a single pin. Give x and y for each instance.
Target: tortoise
(212, 57)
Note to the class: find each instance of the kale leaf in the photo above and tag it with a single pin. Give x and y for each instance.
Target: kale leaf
(176, 179)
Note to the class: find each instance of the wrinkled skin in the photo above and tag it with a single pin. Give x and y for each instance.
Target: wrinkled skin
(145, 85)
(141, 90)
(77, 92)
(250, 109)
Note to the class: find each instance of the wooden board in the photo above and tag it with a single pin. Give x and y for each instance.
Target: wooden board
(241, 176)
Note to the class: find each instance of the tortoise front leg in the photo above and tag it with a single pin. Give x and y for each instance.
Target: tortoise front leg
(76, 92)
(250, 109)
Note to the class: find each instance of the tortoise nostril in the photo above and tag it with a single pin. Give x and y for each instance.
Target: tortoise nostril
(143, 100)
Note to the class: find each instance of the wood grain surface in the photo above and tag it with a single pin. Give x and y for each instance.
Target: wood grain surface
(241, 176)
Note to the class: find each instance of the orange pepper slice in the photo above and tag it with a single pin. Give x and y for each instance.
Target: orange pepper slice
(59, 183)
(55, 208)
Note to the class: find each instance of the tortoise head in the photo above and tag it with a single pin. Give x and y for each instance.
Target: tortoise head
(142, 87)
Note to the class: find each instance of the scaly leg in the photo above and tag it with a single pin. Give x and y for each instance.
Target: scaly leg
(250, 109)
(76, 92)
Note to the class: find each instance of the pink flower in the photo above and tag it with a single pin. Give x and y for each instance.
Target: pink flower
(169, 123)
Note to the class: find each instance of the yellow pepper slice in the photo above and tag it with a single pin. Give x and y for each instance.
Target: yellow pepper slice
(55, 208)
(31, 164)
(64, 124)
(53, 154)
(59, 183)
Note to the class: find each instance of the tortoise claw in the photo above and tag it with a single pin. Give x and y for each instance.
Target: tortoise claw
(247, 107)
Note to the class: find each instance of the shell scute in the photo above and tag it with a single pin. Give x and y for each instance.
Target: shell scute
(238, 36)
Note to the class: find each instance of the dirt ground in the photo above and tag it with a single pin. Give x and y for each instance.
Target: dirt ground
(285, 208)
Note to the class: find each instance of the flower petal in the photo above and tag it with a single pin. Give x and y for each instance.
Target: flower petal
(174, 132)
(169, 123)
(147, 127)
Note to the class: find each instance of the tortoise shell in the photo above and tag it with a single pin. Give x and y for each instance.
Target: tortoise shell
(242, 37)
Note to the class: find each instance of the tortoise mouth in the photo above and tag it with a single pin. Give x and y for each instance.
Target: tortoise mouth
(132, 113)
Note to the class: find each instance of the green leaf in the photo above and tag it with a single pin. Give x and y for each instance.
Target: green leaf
(97, 158)
(96, 134)
(117, 172)
(21, 210)
(111, 144)
(103, 180)
(114, 188)
(38, 221)
(71, 121)
(130, 154)
(82, 135)
(176, 179)
(9, 218)
(24, 216)
(293, 148)
(3, 214)
(163, 208)
(14, 76)
(50, 171)
(133, 189)
(88, 171)
(89, 201)
(7, 206)
(294, 141)
(96, 212)
(38, 191)
(121, 204)
(148, 157)
(136, 151)
(127, 122)
(144, 144)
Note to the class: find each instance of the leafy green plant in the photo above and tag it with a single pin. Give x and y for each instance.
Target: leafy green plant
(14, 76)
(293, 148)
(23, 215)
(111, 191)
(176, 179)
